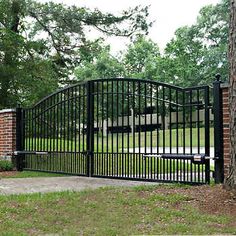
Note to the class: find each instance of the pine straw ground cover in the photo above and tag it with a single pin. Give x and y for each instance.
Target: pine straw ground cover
(163, 209)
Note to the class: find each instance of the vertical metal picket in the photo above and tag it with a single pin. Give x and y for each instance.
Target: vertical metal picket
(90, 127)
(207, 135)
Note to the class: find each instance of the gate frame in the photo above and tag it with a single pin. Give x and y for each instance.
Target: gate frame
(19, 138)
(218, 129)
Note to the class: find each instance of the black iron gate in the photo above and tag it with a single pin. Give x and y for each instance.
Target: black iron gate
(120, 128)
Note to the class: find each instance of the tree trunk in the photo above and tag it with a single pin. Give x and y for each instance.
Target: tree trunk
(230, 182)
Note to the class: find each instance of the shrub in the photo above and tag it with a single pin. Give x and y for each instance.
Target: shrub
(6, 165)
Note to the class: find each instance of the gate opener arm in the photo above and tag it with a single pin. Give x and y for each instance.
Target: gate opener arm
(29, 152)
(194, 157)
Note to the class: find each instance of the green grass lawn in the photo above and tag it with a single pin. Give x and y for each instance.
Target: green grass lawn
(116, 164)
(29, 174)
(110, 211)
(154, 139)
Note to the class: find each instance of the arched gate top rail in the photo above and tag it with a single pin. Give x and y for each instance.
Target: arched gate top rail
(84, 82)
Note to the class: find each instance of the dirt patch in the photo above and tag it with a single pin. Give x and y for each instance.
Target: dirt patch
(216, 200)
(209, 199)
(8, 173)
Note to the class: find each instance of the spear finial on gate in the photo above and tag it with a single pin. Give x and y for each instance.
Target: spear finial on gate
(218, 76)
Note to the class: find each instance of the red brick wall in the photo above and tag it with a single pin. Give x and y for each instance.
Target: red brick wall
(7, 133)
(226, 134)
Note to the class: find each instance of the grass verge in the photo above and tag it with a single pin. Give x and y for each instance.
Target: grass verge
(27, 174)
(110, 211)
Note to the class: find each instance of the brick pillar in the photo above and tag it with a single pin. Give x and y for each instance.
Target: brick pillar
(226, 133)
(7, 133)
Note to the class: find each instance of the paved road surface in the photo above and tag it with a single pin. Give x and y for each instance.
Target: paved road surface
(53, 184)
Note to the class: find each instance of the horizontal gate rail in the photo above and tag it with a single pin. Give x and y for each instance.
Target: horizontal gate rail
(30, 152)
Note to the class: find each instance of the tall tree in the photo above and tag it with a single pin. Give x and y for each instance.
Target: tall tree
(231, 179)
(141, 59)
(199, 51)
(41, 43)
(100, 64)
(181, 57)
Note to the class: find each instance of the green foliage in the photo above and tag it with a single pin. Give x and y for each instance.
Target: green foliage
(198, 52)
(99, 65)
(42, 43)
(192, 57)
(141, 60)
(25, 75)
(6, 165)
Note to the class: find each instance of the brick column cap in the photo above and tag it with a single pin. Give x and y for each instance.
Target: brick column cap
(7, 110)
(224, 85)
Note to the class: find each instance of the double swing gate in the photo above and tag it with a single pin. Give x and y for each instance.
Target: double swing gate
(119, 128)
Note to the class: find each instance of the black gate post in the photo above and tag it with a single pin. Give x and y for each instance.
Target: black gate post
(207, 134)
(90, 127)
(19, 138)
(218, 131)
